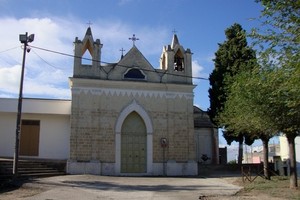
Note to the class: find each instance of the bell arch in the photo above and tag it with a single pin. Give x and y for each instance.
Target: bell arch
(134, 107)
(179, 61)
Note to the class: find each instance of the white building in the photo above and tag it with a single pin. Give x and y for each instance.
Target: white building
(284, 152)
(45, 128)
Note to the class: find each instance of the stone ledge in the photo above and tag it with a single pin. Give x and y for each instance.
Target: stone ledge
(88, 167)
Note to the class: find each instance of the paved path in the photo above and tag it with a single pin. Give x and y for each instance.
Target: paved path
(75, 187)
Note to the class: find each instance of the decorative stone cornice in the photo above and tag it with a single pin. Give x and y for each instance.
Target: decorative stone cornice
(128, 92)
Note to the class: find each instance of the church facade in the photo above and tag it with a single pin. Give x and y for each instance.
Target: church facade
(125, 118)
(129, 118)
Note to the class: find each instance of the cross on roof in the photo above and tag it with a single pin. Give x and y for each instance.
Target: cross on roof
(174, 31)
(89, 23)
(122, 50)
(133, 38)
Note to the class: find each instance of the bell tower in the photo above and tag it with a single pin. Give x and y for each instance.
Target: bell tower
(177, 62)
(87, 45)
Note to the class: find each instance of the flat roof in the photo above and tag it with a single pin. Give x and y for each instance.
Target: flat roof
(36, 106)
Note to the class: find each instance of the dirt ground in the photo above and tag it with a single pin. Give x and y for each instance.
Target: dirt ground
(263, 194)
(243, 195)
(29, 190)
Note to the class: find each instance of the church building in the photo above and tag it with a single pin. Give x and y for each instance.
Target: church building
(129, 118)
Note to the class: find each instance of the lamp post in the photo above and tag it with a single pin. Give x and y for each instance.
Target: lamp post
(24, 39)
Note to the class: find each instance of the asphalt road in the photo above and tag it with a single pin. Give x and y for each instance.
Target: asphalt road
(75, 187)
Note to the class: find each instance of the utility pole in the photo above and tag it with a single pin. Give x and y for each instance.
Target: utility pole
(24, 39)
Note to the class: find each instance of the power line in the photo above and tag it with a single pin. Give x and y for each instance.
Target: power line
(9, 49)
(45, 60)
(128, 67)
(9, 58)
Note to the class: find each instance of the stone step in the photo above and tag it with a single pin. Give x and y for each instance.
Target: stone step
(29, 171)
(40, 175)
(31, 168)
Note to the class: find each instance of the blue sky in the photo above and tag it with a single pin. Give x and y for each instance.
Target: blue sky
(199, 24)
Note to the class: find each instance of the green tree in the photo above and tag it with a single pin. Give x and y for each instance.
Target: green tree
(279, 42)
(286, 111)
(233, 56)
(246, 111)
(279, 34)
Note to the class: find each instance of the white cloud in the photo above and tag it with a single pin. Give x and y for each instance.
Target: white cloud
(46, 73)
(10, 78)
(198, 71)
(40, 78)
(210, 58)
(115, 35)
(46, 90)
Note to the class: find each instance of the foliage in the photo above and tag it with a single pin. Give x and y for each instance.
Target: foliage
(241, 137)
(279, 42)
(232, 57)
(232, 162)
(245, 109)
(285, 100)
(279, 34)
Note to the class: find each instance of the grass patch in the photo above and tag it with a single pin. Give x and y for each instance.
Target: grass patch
(278, 187)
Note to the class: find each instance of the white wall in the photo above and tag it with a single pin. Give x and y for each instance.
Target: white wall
(284, 150)
(297, 143)
(204, 144)
(7, 134)
(54, 116)
(54, 135)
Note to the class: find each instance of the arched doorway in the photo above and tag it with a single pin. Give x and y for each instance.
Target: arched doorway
(135, 108)
(133, 144)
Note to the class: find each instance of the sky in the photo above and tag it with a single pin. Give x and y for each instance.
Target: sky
(199, 25)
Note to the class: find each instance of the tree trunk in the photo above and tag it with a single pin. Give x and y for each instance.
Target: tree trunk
(293, 166)
(240, 156)
(265, 157)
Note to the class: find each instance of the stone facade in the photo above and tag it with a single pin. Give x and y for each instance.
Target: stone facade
(108, 99)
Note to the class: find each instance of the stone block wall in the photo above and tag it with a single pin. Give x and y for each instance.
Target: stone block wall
(95, 113)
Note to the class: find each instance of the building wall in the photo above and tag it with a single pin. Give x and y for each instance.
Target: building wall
(57, 130)
(7, 132)
(54, 135)
(207, 144)
(54, 119)
(284, 150)
(204, 144)
(102, 97)
(96, 107)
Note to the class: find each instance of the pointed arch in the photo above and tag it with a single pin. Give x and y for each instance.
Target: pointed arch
(140, 110)
(87, 57)
(134, 107)
(179, 60)
(87, 46)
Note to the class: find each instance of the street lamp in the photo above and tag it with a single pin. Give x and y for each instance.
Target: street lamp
(24, 39)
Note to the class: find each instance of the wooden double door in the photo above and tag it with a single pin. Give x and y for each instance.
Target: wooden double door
(133, 145)
(29, 138)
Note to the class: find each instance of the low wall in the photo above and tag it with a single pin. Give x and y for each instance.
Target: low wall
(227, 170)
